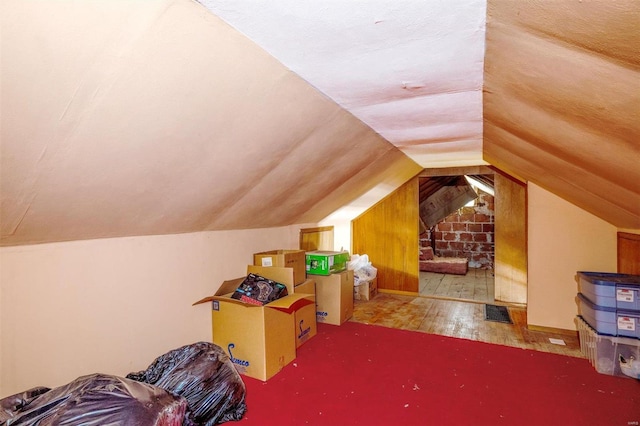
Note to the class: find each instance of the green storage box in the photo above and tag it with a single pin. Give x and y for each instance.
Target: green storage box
(321, 262)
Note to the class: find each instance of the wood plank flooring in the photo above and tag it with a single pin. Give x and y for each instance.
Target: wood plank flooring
(477, 284)
(460, 319)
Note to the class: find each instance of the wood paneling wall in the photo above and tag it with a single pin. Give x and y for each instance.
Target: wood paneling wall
(510, 240)
(628, 253)
(320, 238)
(388, 233)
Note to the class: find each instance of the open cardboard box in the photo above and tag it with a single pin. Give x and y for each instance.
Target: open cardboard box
(305, 318)
(306, 321)
(260, 340)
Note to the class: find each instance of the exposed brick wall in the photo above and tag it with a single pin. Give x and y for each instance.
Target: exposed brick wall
(468, 233)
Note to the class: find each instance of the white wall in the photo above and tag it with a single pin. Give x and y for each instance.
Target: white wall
(562, 239)
(113, 305)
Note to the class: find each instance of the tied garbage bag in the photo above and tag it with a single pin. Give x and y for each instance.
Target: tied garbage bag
(97, 399)
(204, 375)
(363, 270)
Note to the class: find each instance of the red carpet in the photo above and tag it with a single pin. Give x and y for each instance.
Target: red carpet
(357, 374)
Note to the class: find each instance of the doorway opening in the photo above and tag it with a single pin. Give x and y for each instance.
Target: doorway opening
(457, 237)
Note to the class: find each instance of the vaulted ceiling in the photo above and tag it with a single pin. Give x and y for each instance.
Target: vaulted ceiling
(169, 116)
(562, 100)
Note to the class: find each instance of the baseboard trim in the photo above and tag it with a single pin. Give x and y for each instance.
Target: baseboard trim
(552, 330)
(404, 293)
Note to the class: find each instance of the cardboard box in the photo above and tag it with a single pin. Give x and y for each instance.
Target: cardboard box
(305, 318)
(258, 339)
(306, 323)
(294, 259)
(307, 287)
(366, 290)
(334, 297)
(275, 273)
(319, 262)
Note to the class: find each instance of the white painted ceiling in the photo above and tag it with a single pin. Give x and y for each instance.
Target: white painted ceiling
(167, 116)
(411, 70)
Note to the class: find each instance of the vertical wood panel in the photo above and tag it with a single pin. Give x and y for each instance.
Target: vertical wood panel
(628, 253)
(320, 238)
(510, 240)
(388, 233)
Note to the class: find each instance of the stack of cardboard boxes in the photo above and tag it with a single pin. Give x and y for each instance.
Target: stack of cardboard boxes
(261, 339)
(334, 285)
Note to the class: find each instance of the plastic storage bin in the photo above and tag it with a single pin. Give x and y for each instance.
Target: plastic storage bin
(606, 320)
(620, 291)
(615, 356)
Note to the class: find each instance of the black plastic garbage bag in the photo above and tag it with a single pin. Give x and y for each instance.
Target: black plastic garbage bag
(97, 399)
(12, 405)
(204, 375)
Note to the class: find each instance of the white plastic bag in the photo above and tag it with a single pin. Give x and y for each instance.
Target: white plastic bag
(363, 270)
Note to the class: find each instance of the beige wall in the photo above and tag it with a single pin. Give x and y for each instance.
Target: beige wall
(563, 239)
(629, 231)
(113, 305)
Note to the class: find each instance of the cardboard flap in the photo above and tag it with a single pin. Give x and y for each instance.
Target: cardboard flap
(226, 287)
(225, 297)
(287, 304)
(299, 304)
(291, 303)
(276, 273)
(229, 286)
(228, 299)
(308, 287)
(205, 300)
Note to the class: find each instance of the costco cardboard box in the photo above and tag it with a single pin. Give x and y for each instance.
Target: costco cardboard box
(306, 321)
(334, 297)
(305, 318)
(294, 259)
(366, 290)
(259, 339)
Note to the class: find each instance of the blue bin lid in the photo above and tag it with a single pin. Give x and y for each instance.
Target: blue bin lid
(593, 306)
(590, 304)
(610, 278)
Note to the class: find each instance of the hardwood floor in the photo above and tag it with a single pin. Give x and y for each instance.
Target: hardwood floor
(477, 284)
(460, 319)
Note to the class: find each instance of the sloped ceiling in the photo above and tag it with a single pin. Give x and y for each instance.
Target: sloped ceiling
(139, 118)
(562, 100)
(157, 117)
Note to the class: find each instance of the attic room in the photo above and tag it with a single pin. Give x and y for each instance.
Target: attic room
(148, 149)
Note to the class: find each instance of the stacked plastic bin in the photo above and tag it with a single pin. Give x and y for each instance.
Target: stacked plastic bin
(609, 321)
